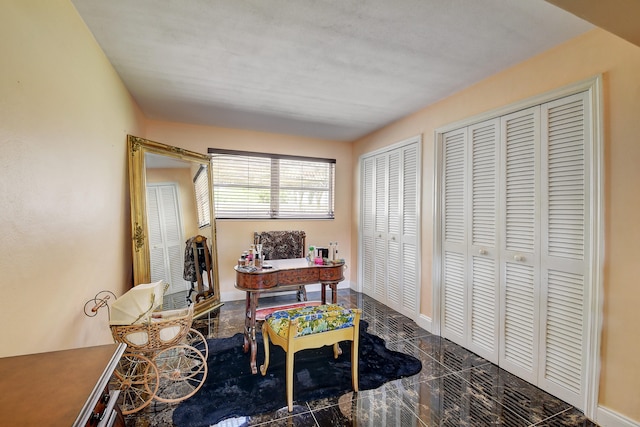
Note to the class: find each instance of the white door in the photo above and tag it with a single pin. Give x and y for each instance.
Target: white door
(389, 232)
(368, 230)
(515, 248)
(166, 242)
(380, 230)
(410, 230)
(565, 248)
(454, 237)
(470, 230)
(520, 247)
(483, 223)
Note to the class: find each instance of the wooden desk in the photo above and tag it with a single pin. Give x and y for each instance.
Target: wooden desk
(60, 388)
(285, 274)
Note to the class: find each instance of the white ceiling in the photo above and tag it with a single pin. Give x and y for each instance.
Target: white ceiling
(331, 69)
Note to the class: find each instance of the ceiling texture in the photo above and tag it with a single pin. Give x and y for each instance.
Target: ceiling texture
(329, 69)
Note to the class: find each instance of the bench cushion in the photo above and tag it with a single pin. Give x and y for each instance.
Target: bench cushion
(311, 320)
(262, 313)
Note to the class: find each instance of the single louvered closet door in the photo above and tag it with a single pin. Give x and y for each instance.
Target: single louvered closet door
(367, 228)
(565, 247)
(380, 229)
(520, 254)
(454, 237)
(483, 221)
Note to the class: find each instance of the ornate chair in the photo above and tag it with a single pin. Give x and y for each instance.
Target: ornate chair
(311, 327)
(283, 245)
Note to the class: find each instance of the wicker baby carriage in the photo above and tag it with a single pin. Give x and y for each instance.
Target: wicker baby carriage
(165, 358)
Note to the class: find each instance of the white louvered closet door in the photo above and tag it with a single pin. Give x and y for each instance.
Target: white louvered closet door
(402, 230)
(157, 264)
(454, 238)
(483, 291)
(368, 224)
(380, 229)
(520, 254)
(565, 248)
(389, 241)
(410, 261)
(165, 237)
(515, 244)
(394, 231)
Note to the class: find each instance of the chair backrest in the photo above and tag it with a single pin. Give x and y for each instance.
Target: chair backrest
(281, 244)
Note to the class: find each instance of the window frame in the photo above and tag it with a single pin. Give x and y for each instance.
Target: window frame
(278, 210)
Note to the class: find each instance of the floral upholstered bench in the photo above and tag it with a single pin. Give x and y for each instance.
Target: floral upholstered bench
(311, 327)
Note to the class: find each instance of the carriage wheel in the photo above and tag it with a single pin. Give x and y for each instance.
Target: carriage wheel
(137, 379)
(197, 340)
(183, 370)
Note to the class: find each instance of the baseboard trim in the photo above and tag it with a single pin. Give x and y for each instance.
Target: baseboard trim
(425, 323)
(608, 418)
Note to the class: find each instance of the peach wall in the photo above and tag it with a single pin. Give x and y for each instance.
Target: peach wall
(235, 236)
(64, 116)
(596, 52)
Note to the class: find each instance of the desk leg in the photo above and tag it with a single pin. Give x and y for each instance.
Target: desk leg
(251, 303)
(334, 293)
(247, 321)
(252, 324)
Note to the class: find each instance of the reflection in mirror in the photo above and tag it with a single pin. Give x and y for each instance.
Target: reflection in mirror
(171, 215)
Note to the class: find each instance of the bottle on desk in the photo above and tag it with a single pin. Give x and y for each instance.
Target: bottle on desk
(251, 256)
(311, 255)
(257, 261)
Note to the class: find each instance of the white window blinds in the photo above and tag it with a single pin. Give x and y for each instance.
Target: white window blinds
(269, 186)
(201, 187)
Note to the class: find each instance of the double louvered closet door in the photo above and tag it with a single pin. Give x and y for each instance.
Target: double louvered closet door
(515, 198)
(389, 255)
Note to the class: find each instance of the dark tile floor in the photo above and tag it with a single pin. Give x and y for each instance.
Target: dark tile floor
(454, 388)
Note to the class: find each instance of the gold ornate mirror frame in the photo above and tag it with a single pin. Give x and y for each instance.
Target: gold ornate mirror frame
(141, 153)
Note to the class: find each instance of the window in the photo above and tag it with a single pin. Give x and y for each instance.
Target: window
(270, 186)
(202, 197)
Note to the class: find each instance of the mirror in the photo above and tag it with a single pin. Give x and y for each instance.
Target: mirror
(173, 224)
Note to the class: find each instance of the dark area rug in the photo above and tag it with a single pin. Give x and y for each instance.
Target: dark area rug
(230, 389)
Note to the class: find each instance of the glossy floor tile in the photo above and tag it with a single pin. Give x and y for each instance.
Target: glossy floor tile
(454, 388)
